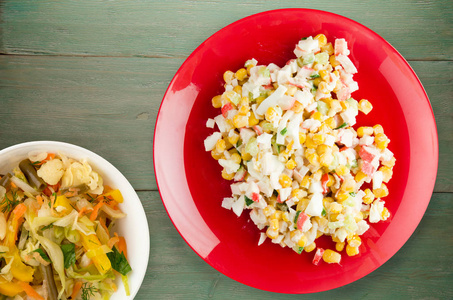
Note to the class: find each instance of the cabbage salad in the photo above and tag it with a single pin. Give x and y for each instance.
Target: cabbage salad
(57, 238)
(286, 139)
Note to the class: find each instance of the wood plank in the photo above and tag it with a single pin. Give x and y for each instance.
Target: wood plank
(176, 272)
(420, 30)
(110, 105)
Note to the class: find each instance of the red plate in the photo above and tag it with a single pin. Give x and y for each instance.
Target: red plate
(191, 185)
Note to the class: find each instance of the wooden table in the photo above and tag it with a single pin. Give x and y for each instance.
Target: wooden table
(93, 73)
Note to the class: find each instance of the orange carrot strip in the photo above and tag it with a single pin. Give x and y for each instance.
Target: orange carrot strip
(76, 289)
(19, 211)
(95, 212)
(121, 245)
(113, 241)
(13, 185)
(30, 291)
(40, 200)
(82, 211)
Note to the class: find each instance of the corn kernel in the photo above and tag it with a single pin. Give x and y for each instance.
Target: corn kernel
(291, 90)
(352, 251)
(260, 99)
(342, 197)
(220, 146)
(378, 129)
(216, 155)
(217, 101)
(336, 106)
(236, 158)
(365, 106)
(390, 163)
(341, 170)
(333, 217)
(268, 210)
(333, 61)
(381, 192)
(233, 138)
(290, 164)
(319, 138)
(335, 207)
(328, 48)
(355, 241)
(381, 140)
(331, 123)
(309, 143)
(339, 246)
(246, 156)
(243, 110)
(326, 159)
(344, 105)
(285, 181)
(297, 107)
(253, 120)
(323, 87)
(310, 247)
(364, 130)
(385, 214)
(322, 40)
(324, 75)
(238, 89)
(313, 158)
(358, 217)
(321, 149)
(274, 224)
(241, 74)
(317, 116)
(387, 173)
(271, 114)
(302, 205)
(302, 241)
(369, 197)
(272, 234)
(228, 76)
(331, 257)
(226, 175)
(335, 239)
(305, 182)
(302, 137)
(360, 176)
(348, 186)
(317, 81)
(240, 121)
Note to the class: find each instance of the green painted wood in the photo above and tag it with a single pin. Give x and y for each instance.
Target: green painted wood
(109, 105)
(420, 30)
(422, 269)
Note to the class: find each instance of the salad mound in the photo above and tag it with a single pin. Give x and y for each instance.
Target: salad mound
(57, 231)
(285, 139)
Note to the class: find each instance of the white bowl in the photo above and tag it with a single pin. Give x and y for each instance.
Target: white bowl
(134, 227)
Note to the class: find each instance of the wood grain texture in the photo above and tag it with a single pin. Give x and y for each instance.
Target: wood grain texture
(175, 28)
(110, 105)
(420, 270)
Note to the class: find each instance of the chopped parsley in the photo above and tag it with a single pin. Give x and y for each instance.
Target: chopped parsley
(119, 262)
(248, 201)
(42, 254)
(9, 204)
(341, 126)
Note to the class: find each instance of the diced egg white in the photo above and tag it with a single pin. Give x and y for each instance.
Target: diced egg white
(210, 141)
(315, 205)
